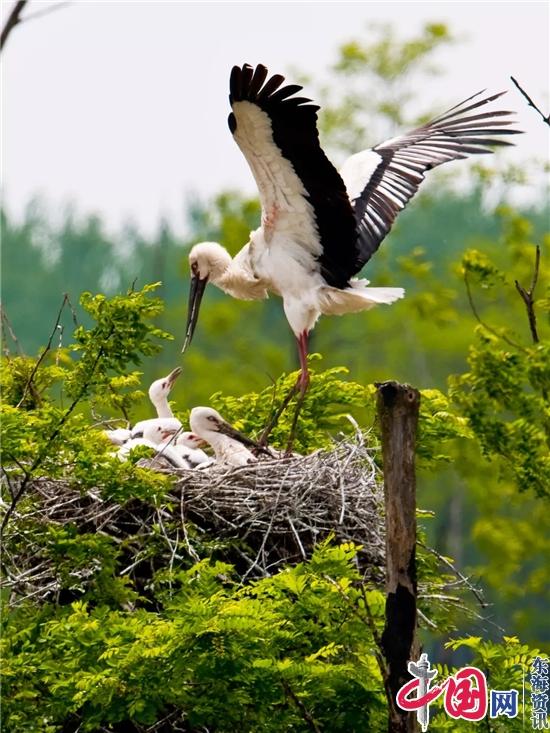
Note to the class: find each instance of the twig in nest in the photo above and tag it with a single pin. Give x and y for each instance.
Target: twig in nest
(265, 515)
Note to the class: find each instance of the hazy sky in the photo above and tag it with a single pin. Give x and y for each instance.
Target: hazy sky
(121, 107)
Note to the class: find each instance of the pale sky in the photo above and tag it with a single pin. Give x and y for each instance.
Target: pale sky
(121, 107)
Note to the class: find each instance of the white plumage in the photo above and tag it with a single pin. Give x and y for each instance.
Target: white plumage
(188, 446)
(156, 437)
(118, 436)
(229, 445)
(158, 394)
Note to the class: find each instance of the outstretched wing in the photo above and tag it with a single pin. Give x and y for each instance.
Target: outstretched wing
(301, 192)
(380, 182)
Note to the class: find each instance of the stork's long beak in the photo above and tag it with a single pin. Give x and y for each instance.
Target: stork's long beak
(230, 431)
(196, 291)
(174, 374)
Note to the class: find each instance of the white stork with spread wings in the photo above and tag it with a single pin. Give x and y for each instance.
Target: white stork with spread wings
(319, 227)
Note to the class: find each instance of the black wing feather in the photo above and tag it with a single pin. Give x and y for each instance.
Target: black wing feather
(294, 129)
(453, 135)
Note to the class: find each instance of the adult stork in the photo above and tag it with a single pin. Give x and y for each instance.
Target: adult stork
(320, 227)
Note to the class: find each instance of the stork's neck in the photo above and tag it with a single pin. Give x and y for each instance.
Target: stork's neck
(162, 406)
(218, 261)
(239, 279)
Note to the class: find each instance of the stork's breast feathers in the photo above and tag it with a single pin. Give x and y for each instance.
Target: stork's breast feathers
(240, 279)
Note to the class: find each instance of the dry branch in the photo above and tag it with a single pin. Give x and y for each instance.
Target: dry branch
(545, 118)
(14, 18)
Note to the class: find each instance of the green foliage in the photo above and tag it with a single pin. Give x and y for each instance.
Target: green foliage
(122, 335)
(505, 392)
(438, 427)
(505, 664)
(252, 658)
(324, 411)
(388, 68)
(43, 438)
(190, 642)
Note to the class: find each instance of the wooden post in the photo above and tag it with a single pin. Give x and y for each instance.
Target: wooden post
(398, 406)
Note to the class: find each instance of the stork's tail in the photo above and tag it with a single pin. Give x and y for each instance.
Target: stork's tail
(358, 297)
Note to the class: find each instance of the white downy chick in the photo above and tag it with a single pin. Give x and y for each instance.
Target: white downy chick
(230, 446)
(158, 394)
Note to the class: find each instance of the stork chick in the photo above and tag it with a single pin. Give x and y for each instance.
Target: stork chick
(230, 446)
(157, 437)
(158, 394)
(189, 446)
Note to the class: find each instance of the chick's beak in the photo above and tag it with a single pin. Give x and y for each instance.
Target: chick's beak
(196, 291)
(174, 374)
(199, 442)
(231, 432)
(166, 434)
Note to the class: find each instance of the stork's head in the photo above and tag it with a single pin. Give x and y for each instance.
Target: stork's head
(207, 261)
(160, 389)
(204, 421)
(158, 433)
(190, 440)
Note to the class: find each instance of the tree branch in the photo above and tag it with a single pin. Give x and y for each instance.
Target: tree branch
(530, 102)
(527, 297)
(46, 11)
(42, 454)
(481, 321)
(369, 621)
(301, 707)
(13, 19)
(42, 356)
(6, 323)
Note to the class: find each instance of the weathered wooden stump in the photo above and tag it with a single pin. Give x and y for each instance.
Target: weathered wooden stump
(398, 407)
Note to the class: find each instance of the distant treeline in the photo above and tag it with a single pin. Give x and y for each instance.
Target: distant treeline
(41, 261)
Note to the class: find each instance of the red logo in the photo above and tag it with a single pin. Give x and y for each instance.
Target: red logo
(465, 693)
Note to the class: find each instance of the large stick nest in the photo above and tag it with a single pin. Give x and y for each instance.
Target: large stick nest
(257, 517)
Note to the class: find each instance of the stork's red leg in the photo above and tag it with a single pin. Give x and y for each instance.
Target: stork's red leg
(303, 381)
(301, 385)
